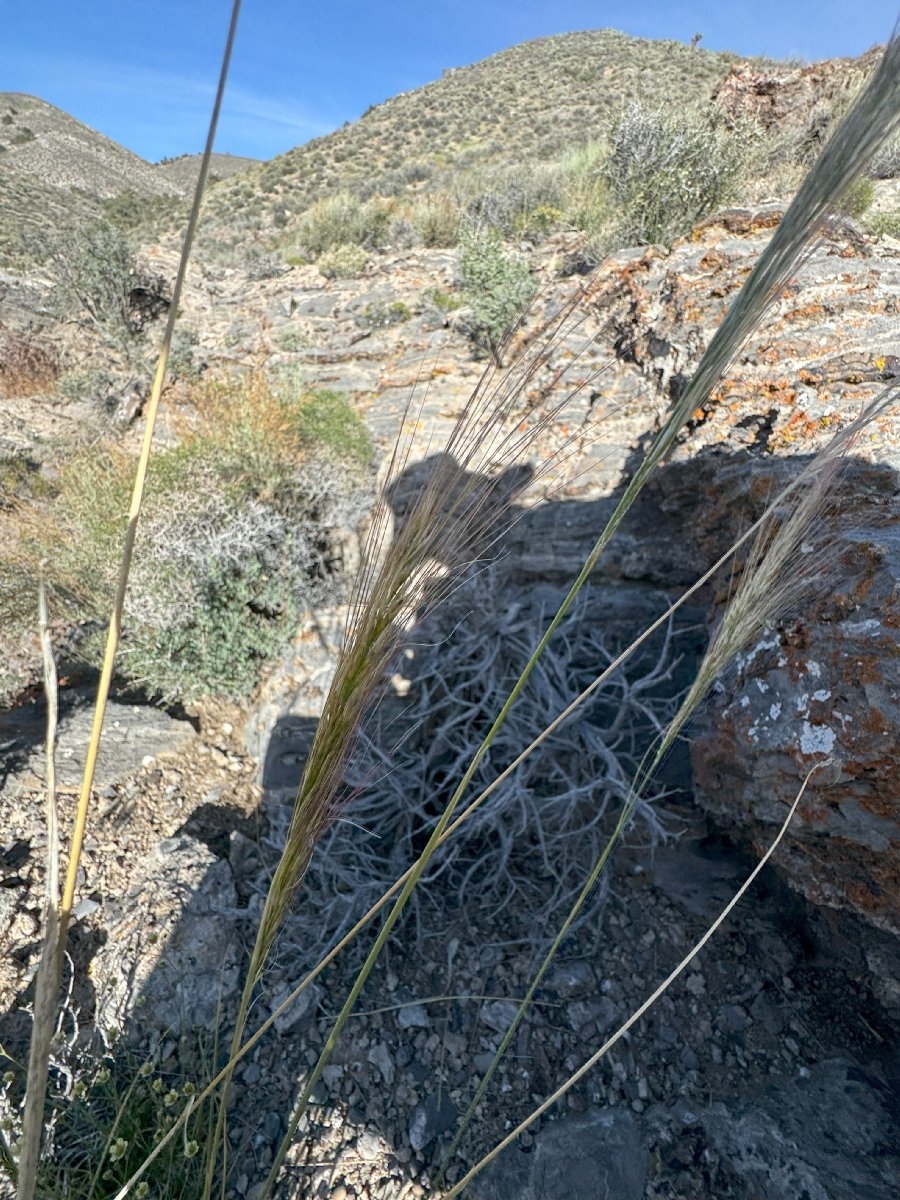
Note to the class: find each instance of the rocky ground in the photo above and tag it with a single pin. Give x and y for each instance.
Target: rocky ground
(770, 1069)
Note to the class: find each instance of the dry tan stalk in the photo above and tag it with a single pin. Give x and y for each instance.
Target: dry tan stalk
(48, 972)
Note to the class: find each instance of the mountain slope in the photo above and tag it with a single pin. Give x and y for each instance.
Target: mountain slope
(56, 174)
(535, 100)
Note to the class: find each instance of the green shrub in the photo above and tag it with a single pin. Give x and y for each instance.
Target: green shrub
(443, 301)
(235, 541)
(539, 222)
(669, 168)
(87, 384)
(884, 224)
(504, 198)
(498, 287)
(380, 316)
(857, 199)
(343, 262)
(343, 220)
(290, 339)
(99, 280)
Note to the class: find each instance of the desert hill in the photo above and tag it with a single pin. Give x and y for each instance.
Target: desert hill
(58, 173)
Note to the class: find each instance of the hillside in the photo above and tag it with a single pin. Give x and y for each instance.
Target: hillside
(182, 171)
(57, 173)
(536, 100)
(315, 333)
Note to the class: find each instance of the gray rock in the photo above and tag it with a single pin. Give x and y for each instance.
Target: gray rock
(412, 1016)
(131, 734)
(498, 1014)
(174, 930)
(301, 1012)
(590, 1156)
(431, 1119)
(572, 979)
(826, 1135)
(380, 1056)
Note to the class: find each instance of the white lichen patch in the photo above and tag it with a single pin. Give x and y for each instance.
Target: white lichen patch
(765, 643)
(817, 739)
(813, 668)
(774, 712)
(762, 685)
(821, 695)
(869, 627)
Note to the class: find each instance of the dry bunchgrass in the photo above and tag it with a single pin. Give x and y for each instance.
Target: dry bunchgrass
(29, 364)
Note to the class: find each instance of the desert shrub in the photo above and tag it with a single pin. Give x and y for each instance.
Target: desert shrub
(884, 224)
(498, 287)
(29, 364)
(442, 301)
(343, 262)
(436, 219)
(183, 363)
(99, 280)
(291, 340)
(556, 803)
(886, 164)
(539, 221)
(260, 265)
(503, 198)
(343, 220)
(92, 384)
(668, 168)
(133, 212)
(237, 536)
(380, 316)
(857, 199)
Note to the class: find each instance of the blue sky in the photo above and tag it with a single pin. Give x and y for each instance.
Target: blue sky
(144, 73)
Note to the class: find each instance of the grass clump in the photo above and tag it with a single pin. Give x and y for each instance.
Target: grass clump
(497, 285)
(108, 1114)
(238, 538)
(29, 363)
(436, 220)
(669, 168)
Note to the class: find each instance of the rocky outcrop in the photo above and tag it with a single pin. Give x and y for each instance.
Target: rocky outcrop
(793, 99)
(823, 689)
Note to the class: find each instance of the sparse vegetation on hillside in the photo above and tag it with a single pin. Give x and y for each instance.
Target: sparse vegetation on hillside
(533, 102)
(59, 175)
